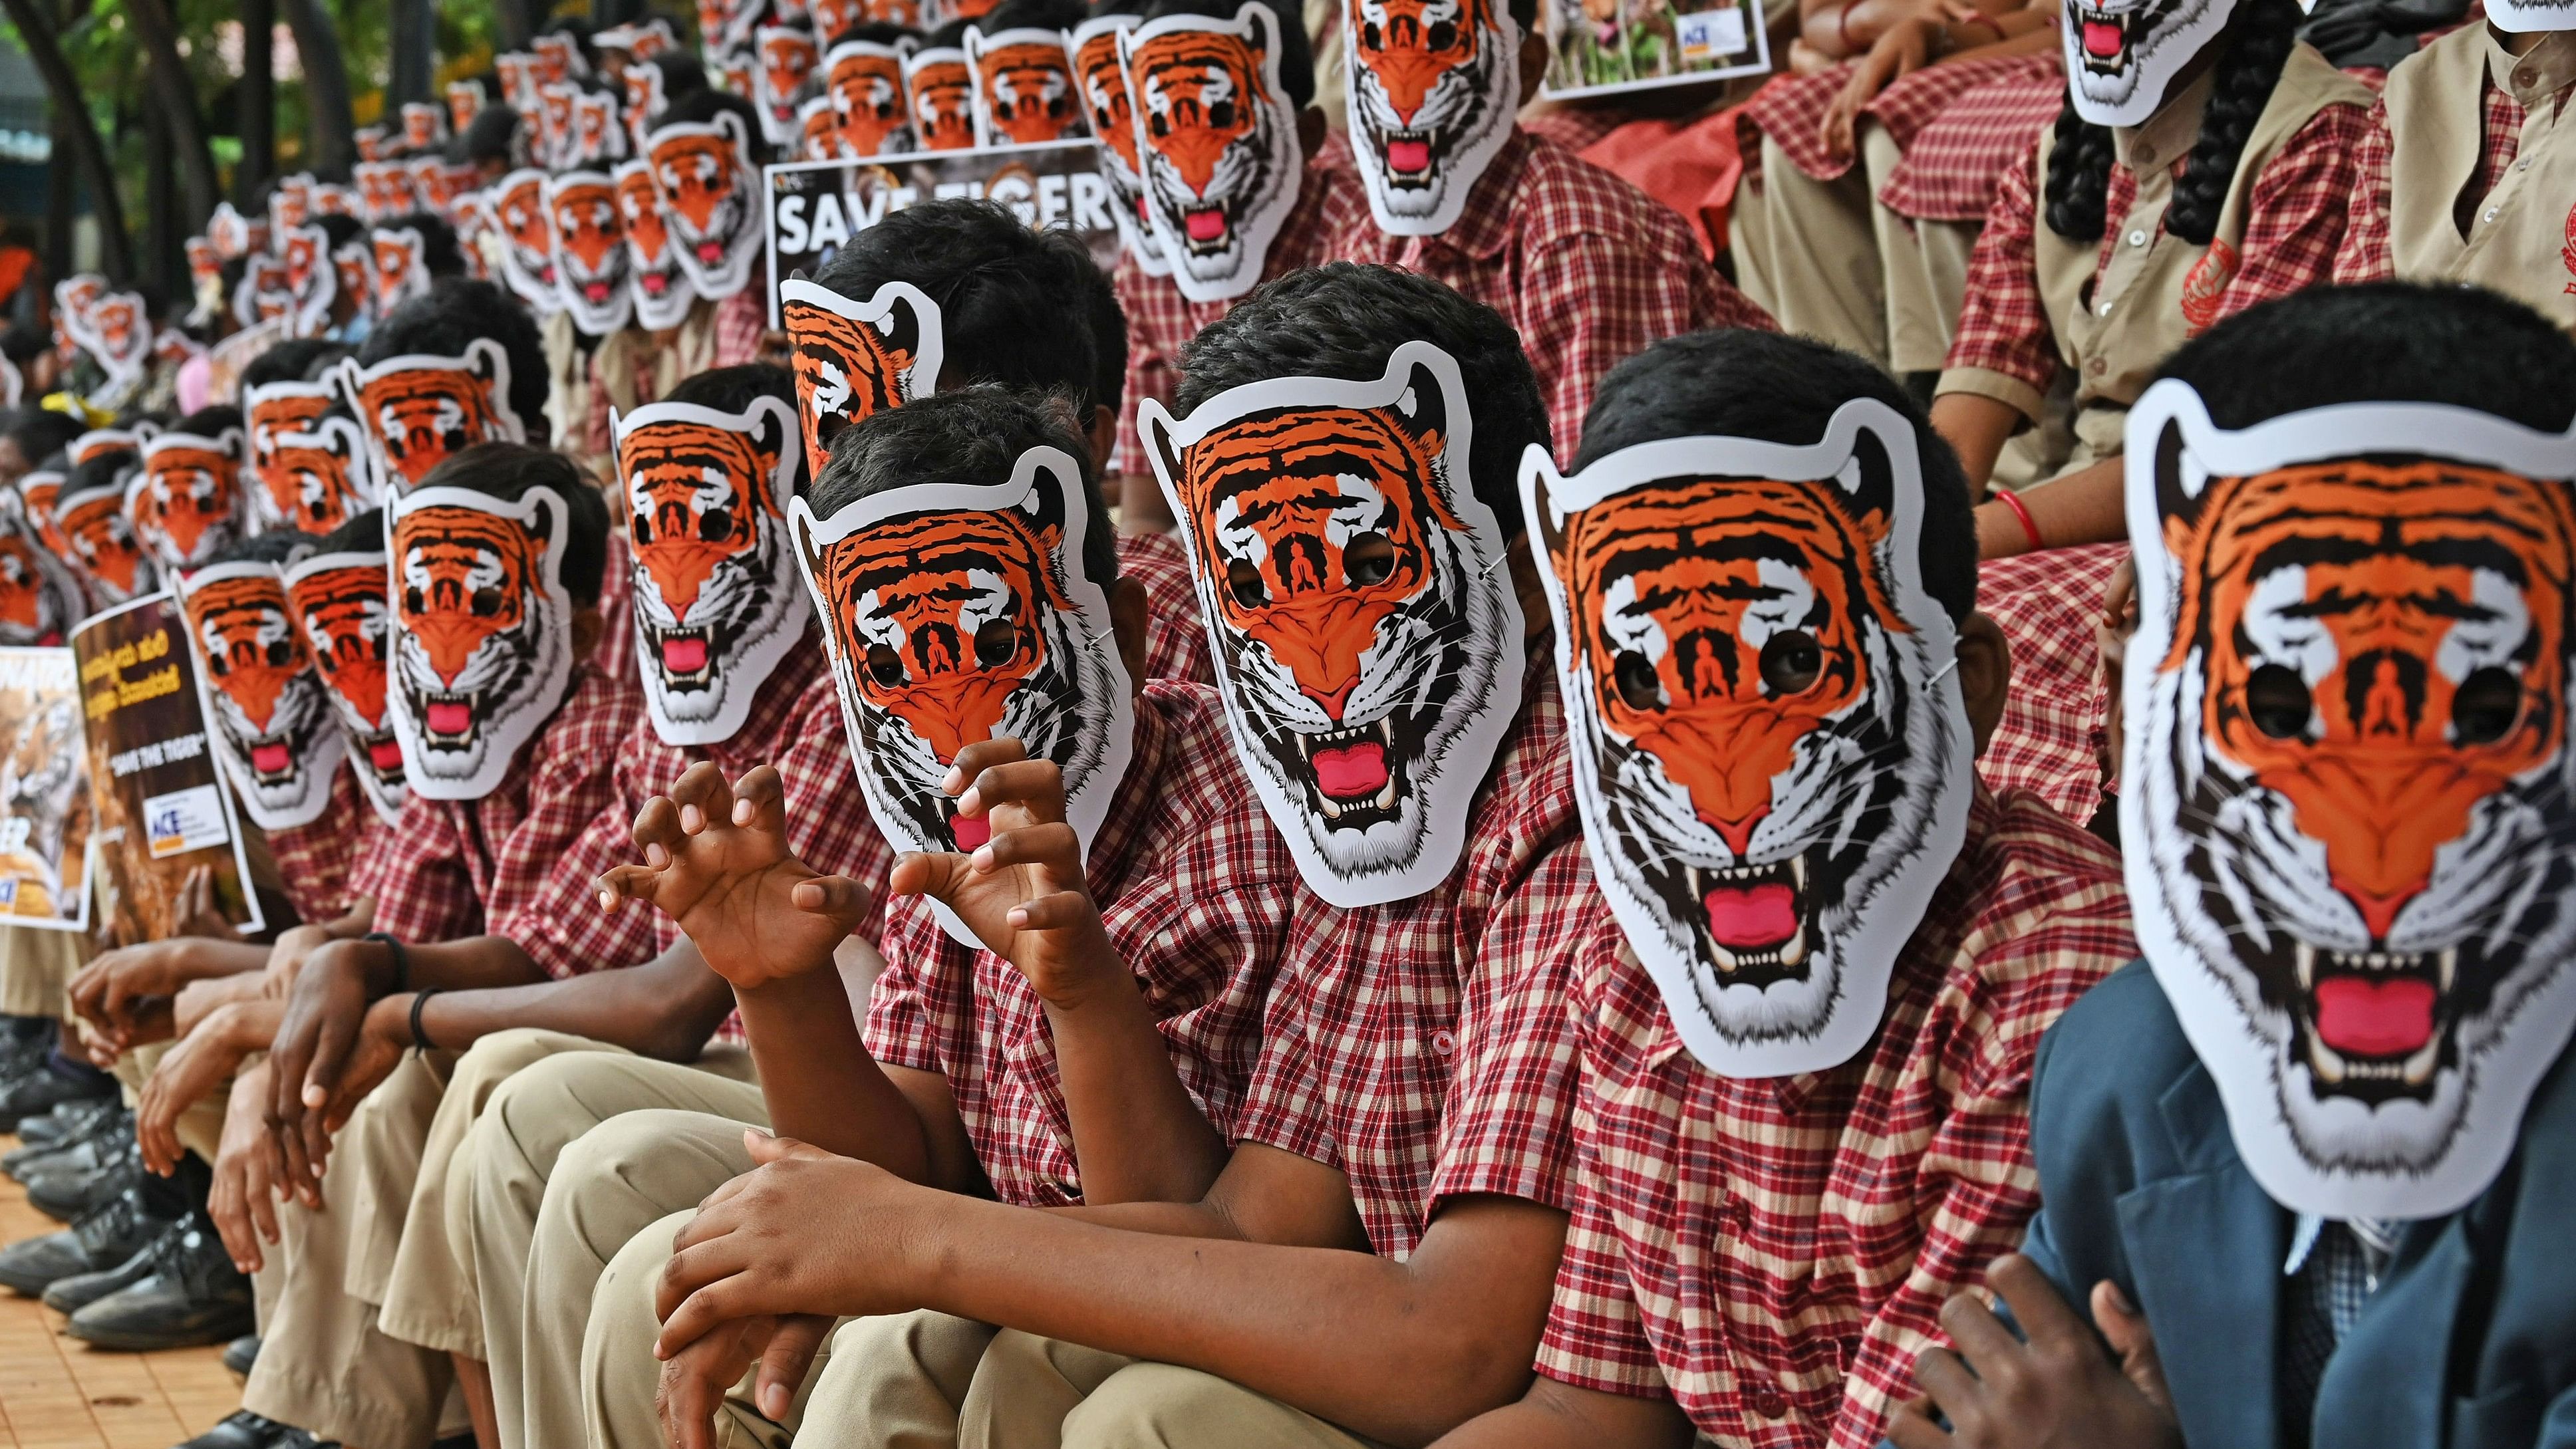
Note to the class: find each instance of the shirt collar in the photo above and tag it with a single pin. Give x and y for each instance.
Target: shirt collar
(1484, 227)
(2539, 73)
(2165, 138)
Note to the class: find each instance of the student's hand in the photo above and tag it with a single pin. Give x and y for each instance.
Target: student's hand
(187, 1073)
(696, 1379)
(803, 1232)
(246, 1173)
(286, 959)
(382, 1040)
(325, 1014)
(2057, 1391)
(1022, 892)
(113, 991)
(199, 999)
(717, 862)
(1906, 47)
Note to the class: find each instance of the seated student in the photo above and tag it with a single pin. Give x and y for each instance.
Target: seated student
(954, 1080)
(1375, 1118)
(1805, 1091)
(1586, 268)
(2464, 128)
(2337, 1217)
(2177, 190)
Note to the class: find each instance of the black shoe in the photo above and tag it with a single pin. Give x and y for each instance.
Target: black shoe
(102, 1239)
(85, 1153)
(25, 1042)
(66, 1195)
(246, 1430)
(42, 1090)
(68, 1296)
(67, 1123)
(241, 1353)
(192, 1296)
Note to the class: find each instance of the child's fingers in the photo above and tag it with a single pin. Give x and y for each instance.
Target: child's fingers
(980, 756)
(760, 802)
(1052, 912)
(657, 827)
(936, 876)
(1035, 786)
(833, 897)
(623, 883)
(703, 797)
(785, 1361)
(1055, 849)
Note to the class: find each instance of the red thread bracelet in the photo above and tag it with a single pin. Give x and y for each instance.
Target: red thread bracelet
(2021, 510)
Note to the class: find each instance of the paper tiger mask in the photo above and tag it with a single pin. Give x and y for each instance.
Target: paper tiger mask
(272, 724)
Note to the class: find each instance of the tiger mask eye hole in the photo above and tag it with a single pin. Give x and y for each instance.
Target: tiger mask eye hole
(412, 600)
(1638, 683)
(280, 653)
(1791, 662)
(1243, 580)
(996, 642)
(2278, 702)
(1368, 559)
(884, 667)
(715, 526)
(486, 602)
(641, 529)
(2486, 706)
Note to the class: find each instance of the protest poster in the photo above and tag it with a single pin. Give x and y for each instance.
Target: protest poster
(1601, 47)
(813, 207)
(44, 791)
(161, 807)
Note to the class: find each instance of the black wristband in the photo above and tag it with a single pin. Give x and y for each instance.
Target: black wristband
(420, 999)
(402, 962)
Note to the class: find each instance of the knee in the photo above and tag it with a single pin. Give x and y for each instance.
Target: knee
(540, 1111)
(497, 1058)
(623, 1323)
(1151, 1406)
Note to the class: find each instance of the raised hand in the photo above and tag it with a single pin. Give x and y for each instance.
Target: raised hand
(2058, 1390)
(717, 862)
(1022, 891)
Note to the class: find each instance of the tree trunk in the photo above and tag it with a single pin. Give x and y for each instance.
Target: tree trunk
(515, 23)
(175, 98)
(255, 101)
(333, 146)
(161, 206)
(71, 114)
(415, 38)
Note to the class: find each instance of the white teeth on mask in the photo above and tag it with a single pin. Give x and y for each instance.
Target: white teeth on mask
(2419, 1067)
(1386, 797)
(1331, 810)
(1798, 871)
(2446, 965)
(2307, 962)
(2323, 1061)
(1795, 953)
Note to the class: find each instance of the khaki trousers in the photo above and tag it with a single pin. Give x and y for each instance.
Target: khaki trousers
(36, 970)
(572, 1158)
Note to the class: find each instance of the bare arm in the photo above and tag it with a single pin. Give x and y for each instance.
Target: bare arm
(664, 1009)
(1264, 1195)
(2083, 507)
(1977, 428)
(1555, 1415)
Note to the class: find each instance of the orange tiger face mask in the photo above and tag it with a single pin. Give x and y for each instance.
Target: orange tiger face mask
(519, 213)
(865, 81)
(705, 172)
(325, 475)
(1100, 77)
(1434, 85)
(856, 359)
(39, 600)
(590, 251)
(1024, 91)
(482, 638)
(401, 270)
(187, 503)
(955, 614)
(271, 411)
(716, 605)
(272, 723)
(344, 622)
(661, 289)
(941, 89)
(112, 563)
(787, 56)
(1217, 143)
(1361, 618)
(1750, 664)
(416, 410)
(2345, 801)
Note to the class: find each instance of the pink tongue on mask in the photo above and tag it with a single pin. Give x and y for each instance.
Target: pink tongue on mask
(1409, 157)
(1354, 773)
(656, 283)
(450, 719)
(2364, 1018)
(1205, 226)
(2101, 38)
(684, 656)
(269, 759)
(386, 754)
(971, 832)
(1751, 919)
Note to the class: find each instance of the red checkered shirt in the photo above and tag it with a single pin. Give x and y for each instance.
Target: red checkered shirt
(1587, 267)
(1196, 891)
(614, 655)
(1362, 1035)
(450, 866)
(2292, 228)
(741, 321)
(1160, 321)
(1958, 162)
(1791, 110)
(1773, 1253)
(2050, 741)
(314, 861)
(1175, 632)
(2364, 256)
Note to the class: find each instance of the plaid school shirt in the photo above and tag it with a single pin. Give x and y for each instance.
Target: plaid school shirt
(2052, 739)
(1791, 110)
(1588, 268)
(1176, 641)
(1774, 1253)
(1951, 170)
(314, 861)
(450, 866)
(1160, 321)
(1367, 1028)
(1196, 891)
(2365, 256)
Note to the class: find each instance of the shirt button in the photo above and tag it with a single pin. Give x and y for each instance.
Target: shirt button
(2104, 309)
(1768, 1402)
(2522, 165)
(2097, 367)
(1442, 1043)
(2491, 214)
(2137, 238)
(2524, 77)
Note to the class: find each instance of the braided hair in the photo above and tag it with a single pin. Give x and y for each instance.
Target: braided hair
(2258, 39)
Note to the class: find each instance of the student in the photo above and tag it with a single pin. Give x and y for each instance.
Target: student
(2187, 179)
(1377, 1019)
(2264, 1265)
(2459, 167)
(1805, 1093)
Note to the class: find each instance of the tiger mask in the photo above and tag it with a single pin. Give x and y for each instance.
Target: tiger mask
(384, 189)
(324, 475)
(526, 227)
(645, 103)
(418, 409)
(40, 494)
(187, 504)
(2122, 55)
(856, 359)
(338, 603)
(272, 724)
(1111, 108)
(1023, 87)
(424, 125)
(1434, 85)
(653, 273)
(2346, 804)
(818, 130)
(705, 172)
(787, 56)
(39, 599)
(271, 411)
(464, 103)
(1771, 752)
(554, 124)
(122, 327)
(112, 563)
(865, 81)
(291, 204)
(717, 606)
(482, 640)
(590, 251)
(598, 135)
(1216, 139)
(956, 614)
(1360, 614)
(400, 269)
(940, 88)
(312, 282)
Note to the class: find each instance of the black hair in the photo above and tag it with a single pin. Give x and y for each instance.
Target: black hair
(1032, 14)
(734, 389)
(338, 230)
(1343, 320)
(492, 135)
(298, 359)
(1101, 8)
(101, 470)
(209, 421)
(703, 105)
(969, 435)
(1773, 388)
(22, 344)
(682, 74)
(439, 253)
(948, 36)
(41, 431)
(507, 471)
(278, 546)
(456, 311)
(363, 533)
(1108, 345)
(2258, 38)
(1007, 293)
(1296, 52)
(2383, 342)
(875, 32)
